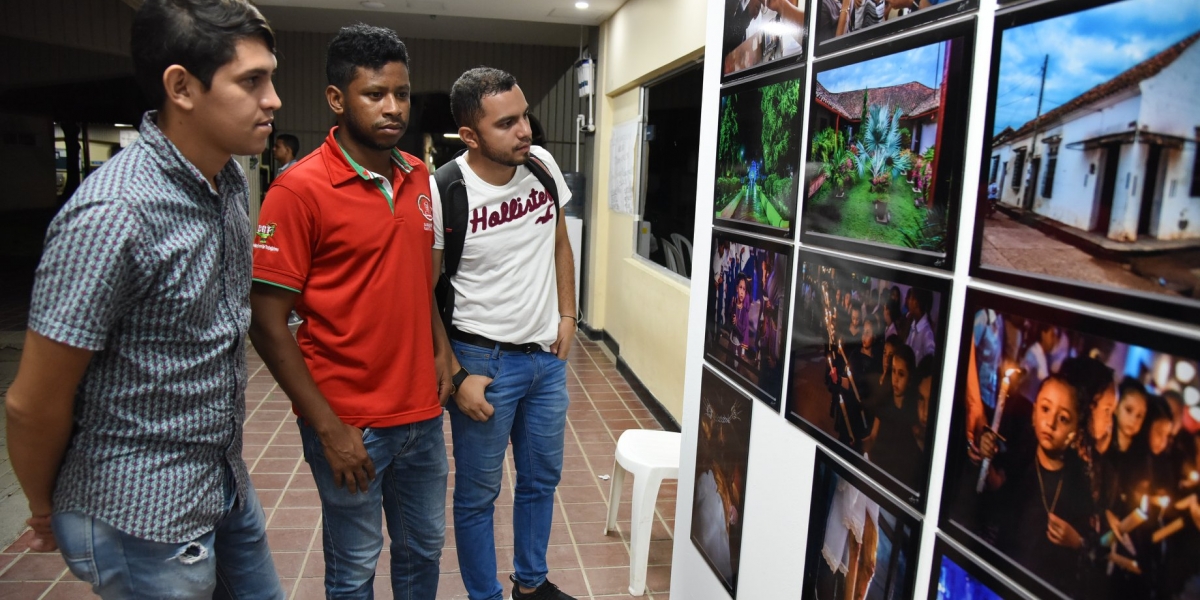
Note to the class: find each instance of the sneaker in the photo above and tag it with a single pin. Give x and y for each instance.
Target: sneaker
(546, 591)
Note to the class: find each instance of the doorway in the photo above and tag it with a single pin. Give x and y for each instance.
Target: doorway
(1108, 185)
(1149, 189)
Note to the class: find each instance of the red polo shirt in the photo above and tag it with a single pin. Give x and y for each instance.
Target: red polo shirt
(360, 262)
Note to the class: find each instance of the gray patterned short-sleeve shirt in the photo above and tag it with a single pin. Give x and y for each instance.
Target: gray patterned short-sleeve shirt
(149, 267)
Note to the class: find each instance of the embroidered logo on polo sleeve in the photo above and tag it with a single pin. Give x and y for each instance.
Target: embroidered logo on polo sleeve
(426, 206)
(262, 235)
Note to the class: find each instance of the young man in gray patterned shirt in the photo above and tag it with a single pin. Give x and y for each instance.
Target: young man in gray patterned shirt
(125, 419)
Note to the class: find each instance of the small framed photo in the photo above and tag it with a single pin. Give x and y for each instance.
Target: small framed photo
(1072, 455)
(868, 344)
(758, 153)
(762, 34)
(956, 576)
(1090, 186)
(748, 299)
(886, 136)
(722, 455)
(861, 544)
(844, 24)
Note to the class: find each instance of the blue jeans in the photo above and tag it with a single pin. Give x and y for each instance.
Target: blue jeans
(410, 486)
(232, 561)
(529, 395)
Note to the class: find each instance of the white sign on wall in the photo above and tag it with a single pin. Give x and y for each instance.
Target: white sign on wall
(621, 167)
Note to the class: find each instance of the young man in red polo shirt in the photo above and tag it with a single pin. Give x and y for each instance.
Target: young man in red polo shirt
(344, 237)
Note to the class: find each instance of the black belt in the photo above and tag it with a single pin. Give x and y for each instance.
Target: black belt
(482, 342)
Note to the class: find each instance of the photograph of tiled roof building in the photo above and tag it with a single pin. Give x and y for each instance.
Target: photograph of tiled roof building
(1118, 160)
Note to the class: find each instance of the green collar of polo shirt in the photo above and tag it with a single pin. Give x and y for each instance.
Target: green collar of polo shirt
(362, 172)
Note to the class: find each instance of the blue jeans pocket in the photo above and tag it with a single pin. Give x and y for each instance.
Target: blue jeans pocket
(73, 532)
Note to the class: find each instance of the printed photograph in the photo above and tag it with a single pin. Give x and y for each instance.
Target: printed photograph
(958, 577)
(1073, 452)
(1090, 163)
(866, 362)
(886, 138)
(864, 20)
(758, 153)
(860, 545)
(746, 330)
(758, 32)
(722, 453)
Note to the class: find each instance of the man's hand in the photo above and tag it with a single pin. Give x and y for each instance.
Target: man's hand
(566, 336)
(471, 400)
(348, 459)
(43, 536)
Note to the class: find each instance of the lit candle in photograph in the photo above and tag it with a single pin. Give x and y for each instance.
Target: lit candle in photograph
(1137, 516)
(1167, 531)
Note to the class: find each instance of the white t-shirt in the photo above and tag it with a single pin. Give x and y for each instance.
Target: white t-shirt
(505, 288)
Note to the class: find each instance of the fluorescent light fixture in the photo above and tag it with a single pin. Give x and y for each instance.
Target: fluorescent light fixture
(451, 136)
(122, 125)
(373, 4)
(581, 5)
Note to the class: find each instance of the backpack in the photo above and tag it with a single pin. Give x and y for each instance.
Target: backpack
(455, 206)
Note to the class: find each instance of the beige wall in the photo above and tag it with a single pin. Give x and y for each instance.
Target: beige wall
(642, 306)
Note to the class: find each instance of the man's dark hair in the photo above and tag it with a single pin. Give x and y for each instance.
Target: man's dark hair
(361, 45)
(199, 35)
(467, 94)
(291, 141)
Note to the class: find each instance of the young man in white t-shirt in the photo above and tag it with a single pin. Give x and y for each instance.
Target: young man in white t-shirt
(513, 324)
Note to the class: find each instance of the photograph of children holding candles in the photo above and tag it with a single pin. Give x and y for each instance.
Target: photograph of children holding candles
(865, 366)
(1073, 452)
(747, 312)
(861, 546)
(722, 453)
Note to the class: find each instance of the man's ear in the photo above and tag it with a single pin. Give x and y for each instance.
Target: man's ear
(179, 86)
(336, 100)
(469, 137)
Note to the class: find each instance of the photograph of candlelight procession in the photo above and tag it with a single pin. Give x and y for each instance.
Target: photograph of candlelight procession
(722, 453)
(861, 546)
(867, 350)
(747, 312)
(1072, 463)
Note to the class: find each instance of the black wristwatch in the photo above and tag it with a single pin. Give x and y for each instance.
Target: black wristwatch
(459, 378)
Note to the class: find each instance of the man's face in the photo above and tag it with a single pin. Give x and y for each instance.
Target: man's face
(237, 111)
(503, 132)
(376, 105)
(283, 154)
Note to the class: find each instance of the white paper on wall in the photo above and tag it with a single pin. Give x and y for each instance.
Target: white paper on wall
(621, 175)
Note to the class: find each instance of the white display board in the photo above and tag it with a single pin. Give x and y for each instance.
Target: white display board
(780, 472)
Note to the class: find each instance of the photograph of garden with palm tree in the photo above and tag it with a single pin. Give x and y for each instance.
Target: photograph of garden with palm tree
(879, 129)
(758, 151)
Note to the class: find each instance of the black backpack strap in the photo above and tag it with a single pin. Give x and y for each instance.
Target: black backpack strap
(453, 192)
(539, 170)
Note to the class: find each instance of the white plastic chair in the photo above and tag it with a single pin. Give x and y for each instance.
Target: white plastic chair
(685, 248)
(651, 456)
(669, 252)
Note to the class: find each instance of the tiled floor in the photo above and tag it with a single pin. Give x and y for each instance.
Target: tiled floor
(582, 560)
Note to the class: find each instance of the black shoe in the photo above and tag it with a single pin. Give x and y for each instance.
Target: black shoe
(546, 591)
